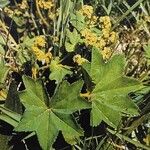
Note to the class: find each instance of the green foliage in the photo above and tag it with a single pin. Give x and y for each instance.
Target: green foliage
(110, 95)
(73, 38)
(94, 88)
(3, 3)
(58, 71)
(9, 116)
(47, 117)
(77, 20)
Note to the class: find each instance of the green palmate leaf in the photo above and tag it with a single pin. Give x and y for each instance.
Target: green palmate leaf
(110, 98)
(72, 39)
(58, 71)
(77, 20)
(3, 70)
(27, 42)
(46, 117)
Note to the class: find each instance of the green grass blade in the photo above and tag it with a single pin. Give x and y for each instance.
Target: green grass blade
(127, 13)
(137, 144)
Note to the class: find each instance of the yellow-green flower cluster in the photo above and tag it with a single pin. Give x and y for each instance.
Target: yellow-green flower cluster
(11, 12)
(90, 38)
(40, 55)
(103, 41)
(106, 52)
(8, 11)
(107, 34)
(106, 22)
(45, 4)
(88, 12)
(39, 43)
(53, 13)
(34, 72)
(23, 5)
(79, 60)
(109, 37)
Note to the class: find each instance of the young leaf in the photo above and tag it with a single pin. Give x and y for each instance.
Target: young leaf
(110, 98)
(58, 71)
(78, 21)
(47, 119)
(72, 39)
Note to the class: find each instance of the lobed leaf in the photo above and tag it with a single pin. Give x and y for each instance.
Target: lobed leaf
(58, 71)
(47, 119)
(110, 98)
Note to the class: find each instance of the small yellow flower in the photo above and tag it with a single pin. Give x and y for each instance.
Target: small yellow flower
(105, 33)
(52, 16)
(84, 32)
(90, 38)
(48, 57)
(45, 4)
(106, 52)
(24, 4)
(86, 95)
(101, 43)
(18, 12)
(79, 60)
(34, 72)
(55, 39)
(113, 37)
(92, 21)
(41, 56)
(8, 11)
(40, 41)
(87, 11)
(105, 19)
(106, 22)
